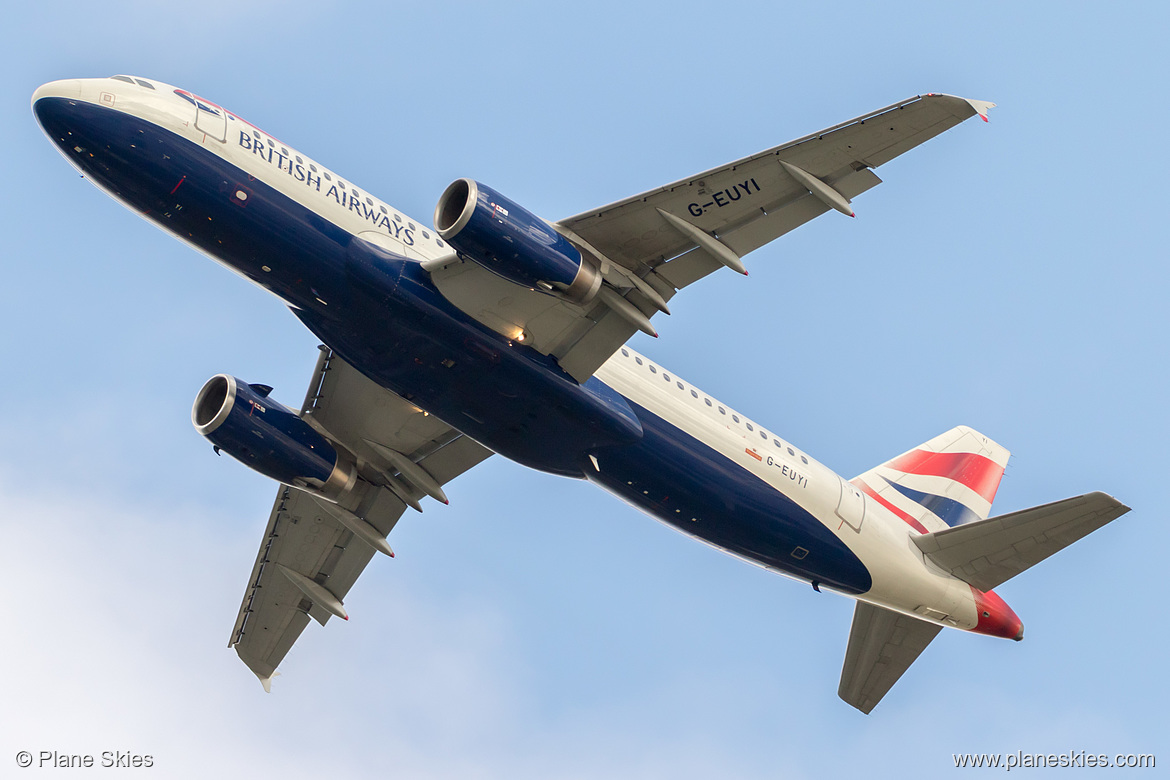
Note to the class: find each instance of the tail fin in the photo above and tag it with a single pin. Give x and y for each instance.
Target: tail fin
(948, 481)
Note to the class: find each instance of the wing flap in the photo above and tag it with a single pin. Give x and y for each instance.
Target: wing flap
(307, 538)
(990, 552)
(882, 646)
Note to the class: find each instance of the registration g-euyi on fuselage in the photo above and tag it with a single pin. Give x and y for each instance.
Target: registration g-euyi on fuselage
(499, 332)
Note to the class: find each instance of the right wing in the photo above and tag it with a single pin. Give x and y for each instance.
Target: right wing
(306, 540)
(653, 244)
(882, 645)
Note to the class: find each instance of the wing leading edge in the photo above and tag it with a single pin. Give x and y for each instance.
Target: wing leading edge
(309, 558)
(670, 237)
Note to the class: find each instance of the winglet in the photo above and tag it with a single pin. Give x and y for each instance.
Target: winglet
(267, 681)
(981, 107)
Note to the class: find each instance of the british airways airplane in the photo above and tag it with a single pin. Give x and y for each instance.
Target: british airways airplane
(497, 331)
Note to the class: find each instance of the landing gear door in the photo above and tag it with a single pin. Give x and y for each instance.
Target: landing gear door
(851, 506)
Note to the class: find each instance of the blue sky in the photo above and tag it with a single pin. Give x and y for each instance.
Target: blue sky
(1008, 276)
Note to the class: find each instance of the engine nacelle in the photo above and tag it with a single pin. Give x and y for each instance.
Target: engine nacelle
(510, 240)
(270, 438)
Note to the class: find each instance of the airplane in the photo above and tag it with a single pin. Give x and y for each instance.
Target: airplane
(498, 332)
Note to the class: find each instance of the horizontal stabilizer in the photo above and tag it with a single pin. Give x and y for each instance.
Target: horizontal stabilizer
(882, 645)
(989, 552)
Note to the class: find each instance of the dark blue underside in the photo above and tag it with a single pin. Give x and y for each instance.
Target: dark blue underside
(381, 313)
(685, 483)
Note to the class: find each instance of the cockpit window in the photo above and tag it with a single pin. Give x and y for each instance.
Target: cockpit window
(146, 84)
(127, 79)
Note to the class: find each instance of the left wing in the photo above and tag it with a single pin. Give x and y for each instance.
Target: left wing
(651, 245)
(309, 558)
(882, 645)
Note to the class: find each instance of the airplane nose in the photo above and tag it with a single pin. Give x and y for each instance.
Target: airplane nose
(53, 100)
(65, 88)
(996, 618)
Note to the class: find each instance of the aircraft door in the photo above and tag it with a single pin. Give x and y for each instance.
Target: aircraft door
(210, 119)
(851, 506)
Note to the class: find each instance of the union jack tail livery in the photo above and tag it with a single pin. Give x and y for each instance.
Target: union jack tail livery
(948, 481)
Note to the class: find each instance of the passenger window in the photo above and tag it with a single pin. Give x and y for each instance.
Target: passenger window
(625, 353)
(790, 452)
(638, 361)
(804, 460)
(749, 427)
(735, 417)
(666, 376)
(778, 444)
(426, 235)
(440, 243)
(696, 395)
(653, 370)
(722, 410)
(763, 435)
(707, 401)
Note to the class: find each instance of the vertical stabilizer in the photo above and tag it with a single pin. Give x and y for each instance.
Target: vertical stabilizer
(948, 481)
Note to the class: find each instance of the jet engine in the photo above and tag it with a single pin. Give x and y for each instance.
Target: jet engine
(241, 420)
(511, 241)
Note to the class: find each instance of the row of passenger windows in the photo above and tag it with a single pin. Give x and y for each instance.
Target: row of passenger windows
(735, 417)
(340, 183)
(260, 138)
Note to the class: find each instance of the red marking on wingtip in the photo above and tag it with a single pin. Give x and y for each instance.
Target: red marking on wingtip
(852, 213)
(983, 117)
(448, 503)
(345, 617)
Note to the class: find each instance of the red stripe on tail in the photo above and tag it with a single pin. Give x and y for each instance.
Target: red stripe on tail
(975, 471)
(917, 526)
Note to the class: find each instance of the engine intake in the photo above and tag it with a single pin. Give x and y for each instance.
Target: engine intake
(511, 241)
(241, 420)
